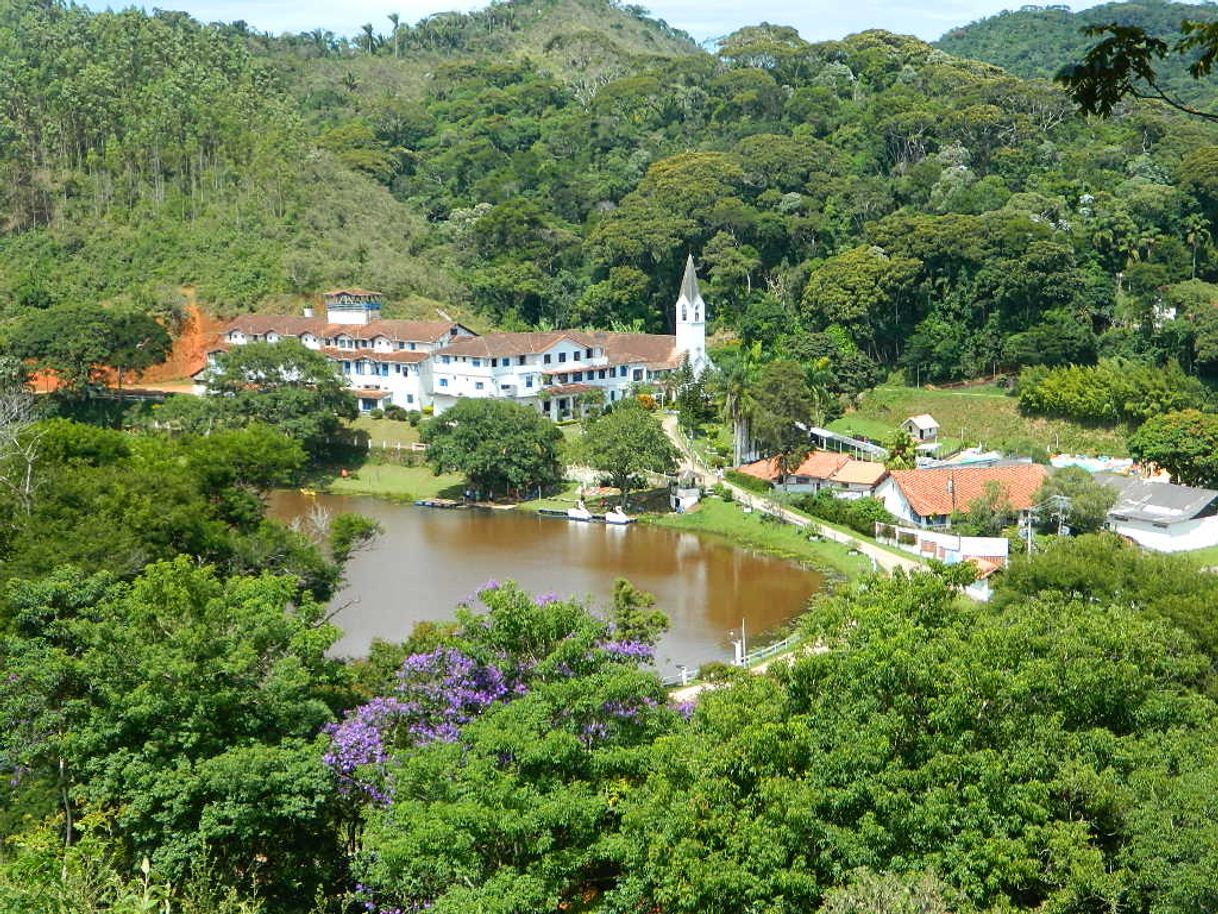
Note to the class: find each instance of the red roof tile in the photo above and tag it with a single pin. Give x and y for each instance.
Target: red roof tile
(508, 344)
(820, 464)
(400, 356)
(860, 473)
(946, 490)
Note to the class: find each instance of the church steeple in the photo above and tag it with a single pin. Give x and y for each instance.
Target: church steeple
(691, 318)
(689, 283)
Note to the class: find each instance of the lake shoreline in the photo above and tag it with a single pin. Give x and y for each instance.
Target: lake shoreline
(428, 561)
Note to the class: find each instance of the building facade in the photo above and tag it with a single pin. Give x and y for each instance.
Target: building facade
(434, 364)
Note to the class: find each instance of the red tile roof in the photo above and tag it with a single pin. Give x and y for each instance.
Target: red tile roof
(825, 466)
(400, 356)
(761, 469)
(860, 473)
(947, 490)
(566, 390)
(820, 464)
(296, 325)
(508, 344)
(656, 350)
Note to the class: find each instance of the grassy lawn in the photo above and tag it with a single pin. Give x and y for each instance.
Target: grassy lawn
(1205, 558)
(720, 519)
(389, 430)
(558, 501)
(982, 415)
(397, 483)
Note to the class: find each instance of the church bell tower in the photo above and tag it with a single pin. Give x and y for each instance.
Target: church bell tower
(691, 319)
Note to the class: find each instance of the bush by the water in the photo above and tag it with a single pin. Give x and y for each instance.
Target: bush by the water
(860, 514)
(1115, 390)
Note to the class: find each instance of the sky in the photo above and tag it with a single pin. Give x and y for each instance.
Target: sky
(817, 20)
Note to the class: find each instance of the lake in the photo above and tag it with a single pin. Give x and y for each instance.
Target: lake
(429, 560)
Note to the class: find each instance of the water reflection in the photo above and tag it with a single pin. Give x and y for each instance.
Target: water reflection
(429, 560)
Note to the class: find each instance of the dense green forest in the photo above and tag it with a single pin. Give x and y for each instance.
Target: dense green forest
(1037, 41)
(176, 733)
(868, 198)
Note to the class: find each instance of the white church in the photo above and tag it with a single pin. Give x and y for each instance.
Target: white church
(420, 364)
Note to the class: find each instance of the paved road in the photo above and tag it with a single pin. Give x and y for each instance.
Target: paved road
(691, 464)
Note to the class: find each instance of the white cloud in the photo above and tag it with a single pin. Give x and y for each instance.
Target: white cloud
(704, 19)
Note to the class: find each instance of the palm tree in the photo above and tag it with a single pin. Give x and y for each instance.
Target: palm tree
(369, 40)
(396, 20)
(735, 379)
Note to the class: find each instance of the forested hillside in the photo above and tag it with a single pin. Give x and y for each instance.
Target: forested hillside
(872, 198)
(1037, 41)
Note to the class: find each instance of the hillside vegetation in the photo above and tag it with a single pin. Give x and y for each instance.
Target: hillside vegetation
(1037, 41)
(873, 202)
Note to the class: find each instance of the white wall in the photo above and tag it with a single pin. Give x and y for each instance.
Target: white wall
(1177, 537)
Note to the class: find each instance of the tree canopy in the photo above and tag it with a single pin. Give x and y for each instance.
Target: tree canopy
(502, 448)
(627, 443)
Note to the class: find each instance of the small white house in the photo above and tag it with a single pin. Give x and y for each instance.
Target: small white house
(1163, 517)
(922, 428)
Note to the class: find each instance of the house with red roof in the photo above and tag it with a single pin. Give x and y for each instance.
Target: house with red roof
(822, 471)
(929, 497)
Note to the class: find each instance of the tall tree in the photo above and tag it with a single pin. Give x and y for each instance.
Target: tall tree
(1183, 443)
(284, 385)
(782, 410)
(626, 443)
(501, 447)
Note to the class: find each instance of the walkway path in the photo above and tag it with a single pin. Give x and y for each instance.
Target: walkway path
(691, 464)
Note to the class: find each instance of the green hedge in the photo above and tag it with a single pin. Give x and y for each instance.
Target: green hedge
(860, 515)
(752, 483)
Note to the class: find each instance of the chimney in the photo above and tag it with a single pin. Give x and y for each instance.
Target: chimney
(308, 310)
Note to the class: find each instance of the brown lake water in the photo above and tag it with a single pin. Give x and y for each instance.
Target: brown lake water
(428, 560)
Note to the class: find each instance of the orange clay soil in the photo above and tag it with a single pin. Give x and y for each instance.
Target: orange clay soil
(199, 332)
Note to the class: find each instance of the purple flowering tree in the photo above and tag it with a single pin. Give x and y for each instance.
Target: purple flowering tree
(436, 693)
(501, 649)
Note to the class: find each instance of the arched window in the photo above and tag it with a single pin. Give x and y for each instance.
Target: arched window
(684, 314)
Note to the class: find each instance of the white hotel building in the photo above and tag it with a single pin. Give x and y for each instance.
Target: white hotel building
(419, 364)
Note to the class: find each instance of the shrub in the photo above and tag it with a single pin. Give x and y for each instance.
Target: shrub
(377, 413)
(396, 413)
(745, 481)
(860, 515)
(1114, 390)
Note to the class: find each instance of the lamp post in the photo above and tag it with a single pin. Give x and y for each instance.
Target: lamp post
(739, 646)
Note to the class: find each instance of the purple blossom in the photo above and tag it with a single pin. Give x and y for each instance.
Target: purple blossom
(685, 709)
(545, 599)
(436, 693)
(638, 651)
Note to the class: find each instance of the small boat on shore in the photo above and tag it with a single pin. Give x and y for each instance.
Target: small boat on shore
(439, 503)
(617, 516)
